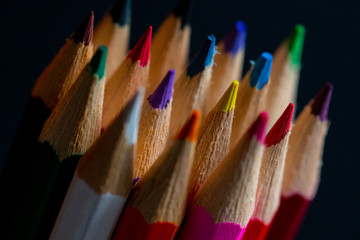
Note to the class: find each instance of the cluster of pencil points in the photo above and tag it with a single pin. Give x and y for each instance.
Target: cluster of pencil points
(145, 144)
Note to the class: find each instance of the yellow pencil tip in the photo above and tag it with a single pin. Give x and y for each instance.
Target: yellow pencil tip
(227, 101)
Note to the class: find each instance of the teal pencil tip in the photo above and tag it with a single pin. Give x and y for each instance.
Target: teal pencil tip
(261, 72)
(296, 43)
(98, 62)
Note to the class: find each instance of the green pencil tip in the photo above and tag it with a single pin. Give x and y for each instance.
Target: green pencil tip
(295, 43)
(98, 62)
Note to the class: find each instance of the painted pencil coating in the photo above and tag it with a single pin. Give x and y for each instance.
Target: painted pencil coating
(74, 221)
(206, 229)
(290, 216)
(256, 230)
(146, 231)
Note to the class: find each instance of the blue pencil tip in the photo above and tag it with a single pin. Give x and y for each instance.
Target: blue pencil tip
(203, 58)
(160, 98)
(235, 38)
(261, 72)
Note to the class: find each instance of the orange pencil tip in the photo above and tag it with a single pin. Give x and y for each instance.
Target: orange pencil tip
(191, 128)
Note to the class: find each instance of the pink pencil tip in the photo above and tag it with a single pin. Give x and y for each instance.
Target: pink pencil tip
(281, 127)
(258, 128)
(141, 51)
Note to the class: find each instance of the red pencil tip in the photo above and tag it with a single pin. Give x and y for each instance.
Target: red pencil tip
(320, 105)
(281, 127)
(258, 128)
(141, 51)
(191, 128)
(84, 33)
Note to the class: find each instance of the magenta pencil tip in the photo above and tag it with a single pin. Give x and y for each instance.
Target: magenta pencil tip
(258, 128)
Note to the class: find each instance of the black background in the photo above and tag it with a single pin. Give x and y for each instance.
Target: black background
(33, 31)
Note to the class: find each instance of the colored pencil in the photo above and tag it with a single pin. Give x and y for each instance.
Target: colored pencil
(154, 125)
(285, 73)
(132, 73)
(251, 97)
(171, 43)
(214, 139)
(69, 131)
(229, 63)
(157, 203)
(102, 180)
(224, 203)
(50, 87)
(113, 31)
(302, 166)
(270, 177)
(191, 88)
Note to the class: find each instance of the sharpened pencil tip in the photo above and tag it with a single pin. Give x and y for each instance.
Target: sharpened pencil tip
(296, 43)
(183, 11)
(132, 113)
(261, 72)
(258, 128)
(320, 104)
(84, 33)
(281, 127)
(121, 12)
(227, 101)
(234, 40)
(203, 58)
(141, 51)
(191, 128)
(160, 98)
(98, 62)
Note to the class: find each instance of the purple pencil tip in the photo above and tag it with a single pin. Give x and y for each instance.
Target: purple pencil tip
(163, 93)
(321, 102)
(235, 38)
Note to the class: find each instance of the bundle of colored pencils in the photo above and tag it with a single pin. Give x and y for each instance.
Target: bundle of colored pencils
(147, 144)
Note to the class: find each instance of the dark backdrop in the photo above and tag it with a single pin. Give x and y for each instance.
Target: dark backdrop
(33, 31)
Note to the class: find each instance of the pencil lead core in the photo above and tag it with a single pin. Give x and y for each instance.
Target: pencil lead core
(261, 72)
(132, 113)
(141, 51)
(234, 40)
(191, 128)
(321, 102)
(296, 43)
(258, 128)
(227, 101)
(203, 58)
(160, 98)
(121, 12)
(84, 33)
(281, 127)
(98, 62)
